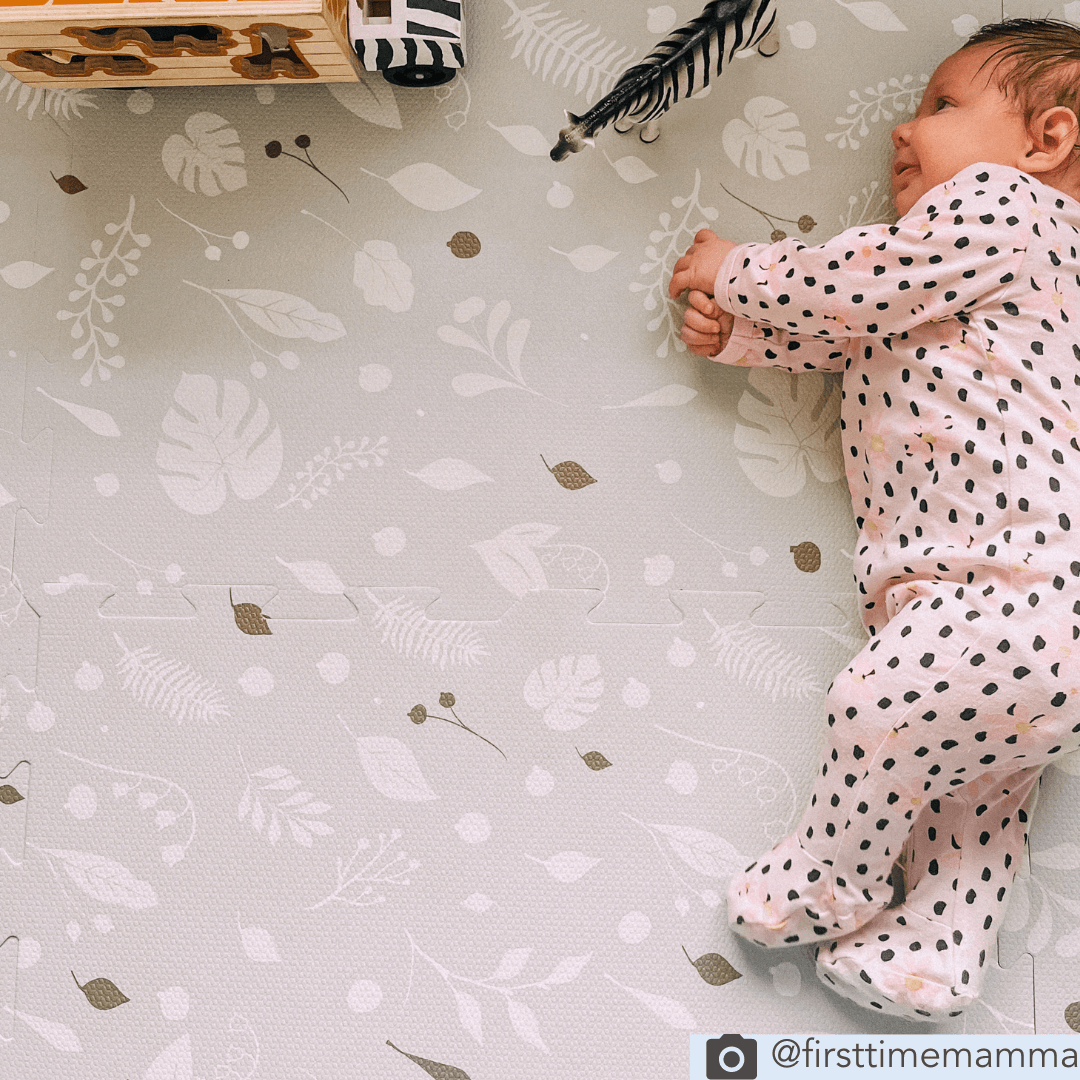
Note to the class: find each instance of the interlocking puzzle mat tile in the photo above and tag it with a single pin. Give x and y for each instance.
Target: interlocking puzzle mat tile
(392, 384)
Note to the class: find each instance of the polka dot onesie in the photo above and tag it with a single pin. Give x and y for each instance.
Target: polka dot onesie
(960, 422)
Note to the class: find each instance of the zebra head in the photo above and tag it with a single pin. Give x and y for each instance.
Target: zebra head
(572, 139)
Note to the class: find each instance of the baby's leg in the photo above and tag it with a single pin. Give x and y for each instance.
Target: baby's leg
(925, 959)
(832, 875)
(932, 714)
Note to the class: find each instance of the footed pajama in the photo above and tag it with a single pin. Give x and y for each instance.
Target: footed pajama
(959, 396)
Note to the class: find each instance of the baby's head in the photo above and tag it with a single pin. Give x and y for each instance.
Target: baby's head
(1010, 96)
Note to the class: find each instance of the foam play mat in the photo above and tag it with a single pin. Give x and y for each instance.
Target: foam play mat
(403, 637)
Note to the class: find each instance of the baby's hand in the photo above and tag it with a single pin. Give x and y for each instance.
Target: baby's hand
(706, 326)
(697, 269)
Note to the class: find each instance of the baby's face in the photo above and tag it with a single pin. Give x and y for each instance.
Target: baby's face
(963, 118)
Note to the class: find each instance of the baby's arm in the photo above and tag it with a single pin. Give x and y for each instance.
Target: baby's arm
(711, 331)
(956, 246)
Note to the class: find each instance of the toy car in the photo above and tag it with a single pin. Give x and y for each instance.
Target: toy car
(412, 42)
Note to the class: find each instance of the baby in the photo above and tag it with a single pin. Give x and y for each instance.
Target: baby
(956, 332)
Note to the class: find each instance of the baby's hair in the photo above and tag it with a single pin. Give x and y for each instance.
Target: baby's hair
(1046, 72)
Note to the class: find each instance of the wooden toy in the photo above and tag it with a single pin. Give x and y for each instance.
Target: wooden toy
(199, 42)
(679, 65)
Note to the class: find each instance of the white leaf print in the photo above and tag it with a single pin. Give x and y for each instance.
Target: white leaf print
(317, 576)
(285, 315)
(1061, 857)
(798, 426)
(215, 447)
(468, 1010)
(528, 140)
(874, 14)
(672, 1012)
(525, 1023)
(210, 150)
(392, 769)
(567, 970)
(385, 280)
(513, 960)
(258, 944)
(450, 474)
(431, 187)
(21, 275)
(588, 258)
(706, 852)
(58, 1035)
(104, 879)
(100, 423)
(559, 692)
(1016, 914)
(515, 342)
(1068, 944)
(567, 866)
(633, 170)
(472, 383)
(372, 99)
(453, 336)
(768, 132)
(496, 320)
(512, 560)
(173, 1063)
(670, 395)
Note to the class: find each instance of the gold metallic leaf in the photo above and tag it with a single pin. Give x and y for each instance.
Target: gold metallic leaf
(570, 474)
(807, 223)
(464, 244)
(714, 969)
(1072, 1015)
(249, 617)
(101, 993)
(447, 700)
(9, 795)
(594, 759)
(418, 714)
(807, 556)
(434, 1068)
(70, 185)
(777, 235)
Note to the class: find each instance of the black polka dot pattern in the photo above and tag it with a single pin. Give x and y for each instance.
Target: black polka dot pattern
(952, 330)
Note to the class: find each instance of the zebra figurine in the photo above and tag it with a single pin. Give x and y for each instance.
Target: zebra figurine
(680, 65)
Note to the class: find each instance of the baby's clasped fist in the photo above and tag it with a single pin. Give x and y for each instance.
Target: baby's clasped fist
(706, 326)
(697, 269)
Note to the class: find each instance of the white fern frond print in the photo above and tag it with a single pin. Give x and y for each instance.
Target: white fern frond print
(552, 44)
(412, 634)
(760, 663)
(62, 101)
(169, 686)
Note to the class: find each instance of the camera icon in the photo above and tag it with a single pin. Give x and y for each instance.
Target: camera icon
(731, 1057)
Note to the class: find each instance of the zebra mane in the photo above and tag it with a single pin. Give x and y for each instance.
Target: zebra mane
(679, 65)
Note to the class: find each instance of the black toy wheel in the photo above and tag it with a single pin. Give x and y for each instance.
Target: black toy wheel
(418, 76)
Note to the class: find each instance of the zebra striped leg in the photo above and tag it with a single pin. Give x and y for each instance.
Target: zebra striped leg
(769, 45)
(650, 131)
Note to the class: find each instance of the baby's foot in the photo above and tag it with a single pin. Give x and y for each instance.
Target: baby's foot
(788, 897)
(903, 964)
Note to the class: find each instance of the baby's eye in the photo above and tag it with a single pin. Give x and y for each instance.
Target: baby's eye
(939, 103)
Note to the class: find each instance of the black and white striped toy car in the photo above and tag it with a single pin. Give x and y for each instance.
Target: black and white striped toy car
(412, 42)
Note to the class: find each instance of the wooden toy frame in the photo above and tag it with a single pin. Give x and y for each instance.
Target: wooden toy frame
(199, 42)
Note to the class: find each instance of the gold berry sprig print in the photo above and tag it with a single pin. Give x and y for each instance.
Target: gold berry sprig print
(274, 149)
(806, 223)
(418, 714)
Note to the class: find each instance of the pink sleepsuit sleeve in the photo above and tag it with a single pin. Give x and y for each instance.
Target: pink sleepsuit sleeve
(960, 420)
